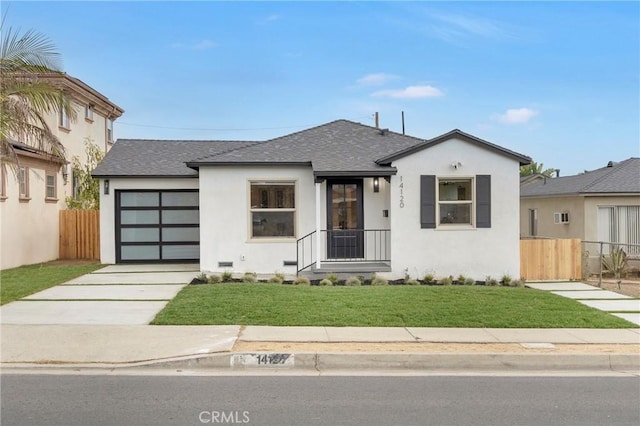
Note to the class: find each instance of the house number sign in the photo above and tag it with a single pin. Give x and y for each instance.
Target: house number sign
(401, 193)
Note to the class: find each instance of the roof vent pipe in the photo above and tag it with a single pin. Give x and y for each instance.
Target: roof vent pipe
(377, 119)
(610, 164)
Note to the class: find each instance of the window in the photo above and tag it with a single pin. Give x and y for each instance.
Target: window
(51, 192)
(533, 222)
(88, 112)
(561, 218)
(272, 209)
(109, 130)
(620, 224)
(3, 182)
(455, 201)
(64, 119)
(23, 182)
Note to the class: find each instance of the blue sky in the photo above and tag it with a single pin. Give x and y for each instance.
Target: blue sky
(558, 81)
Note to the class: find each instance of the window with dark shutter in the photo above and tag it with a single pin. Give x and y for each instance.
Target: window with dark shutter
(483, 201)
(427, 201)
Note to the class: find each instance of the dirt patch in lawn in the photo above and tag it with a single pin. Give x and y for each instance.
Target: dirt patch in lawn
(628, 286)
(72, 262)
(410, 347)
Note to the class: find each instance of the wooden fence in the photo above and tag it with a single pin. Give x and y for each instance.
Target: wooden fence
(551, 259)
(80, 234)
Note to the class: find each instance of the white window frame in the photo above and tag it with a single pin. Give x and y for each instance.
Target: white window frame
(561, 218)
(63, 119)
(471, 202)
(53, 187)
(253, 210)
(23, 182)
(109, 130)
(88, 112)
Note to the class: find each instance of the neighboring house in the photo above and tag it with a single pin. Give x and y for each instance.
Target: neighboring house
(598, 205)
(30, 200)
(338, 197)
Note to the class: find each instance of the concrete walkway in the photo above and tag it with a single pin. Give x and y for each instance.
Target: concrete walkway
(616, 304)
(114, 295)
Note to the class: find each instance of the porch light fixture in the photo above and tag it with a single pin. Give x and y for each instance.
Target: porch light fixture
(106, 187)
(376, 184)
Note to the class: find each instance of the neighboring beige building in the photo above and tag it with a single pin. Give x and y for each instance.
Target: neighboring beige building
(31, 198)
(598, 205)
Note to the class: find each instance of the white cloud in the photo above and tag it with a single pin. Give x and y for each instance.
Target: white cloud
(376, 79)
(410, 92)
(201, 45)
(516, 116)
(456, 28)
(273, 17)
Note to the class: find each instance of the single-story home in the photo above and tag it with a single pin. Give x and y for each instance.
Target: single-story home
(342, 196)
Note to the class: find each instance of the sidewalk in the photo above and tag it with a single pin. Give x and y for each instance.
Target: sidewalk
(225, 347)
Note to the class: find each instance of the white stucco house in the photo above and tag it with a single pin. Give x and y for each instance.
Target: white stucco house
(338, 197)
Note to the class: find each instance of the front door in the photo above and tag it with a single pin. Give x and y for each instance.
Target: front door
(345, 224)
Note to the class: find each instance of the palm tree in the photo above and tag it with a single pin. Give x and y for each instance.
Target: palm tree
(535, 168)
(26, 98)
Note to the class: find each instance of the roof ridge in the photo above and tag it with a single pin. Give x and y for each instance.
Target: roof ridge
(614, 169)
(184, 140)
(237, 148)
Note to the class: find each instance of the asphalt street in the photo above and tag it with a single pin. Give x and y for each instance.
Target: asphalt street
(36, 399)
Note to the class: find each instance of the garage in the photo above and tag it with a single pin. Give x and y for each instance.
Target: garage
(157, 226)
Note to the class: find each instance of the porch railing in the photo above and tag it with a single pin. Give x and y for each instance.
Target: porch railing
(344, 245)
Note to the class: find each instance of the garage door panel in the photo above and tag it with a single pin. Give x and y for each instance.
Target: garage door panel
(181, 234)
(180, 252)
(180, 199)
(133, 235)
(140, 199)
(140, 252)
(180, 216)
(139, 217)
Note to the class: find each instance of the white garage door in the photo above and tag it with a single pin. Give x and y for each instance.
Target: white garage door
(157, 226)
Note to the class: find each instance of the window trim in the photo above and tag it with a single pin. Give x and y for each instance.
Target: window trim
(471, 203)
(23, 177)
(46, 186)
(272, 238)
(109, 130)
(3, 182)
(88, 112)
(63, 120)
(559, 218)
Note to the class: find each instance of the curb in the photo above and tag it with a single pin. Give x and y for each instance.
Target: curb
(319, 362)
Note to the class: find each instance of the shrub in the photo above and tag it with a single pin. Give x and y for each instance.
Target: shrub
(616, 262)
(379, 281)
(428, 279)
(353, 282)
(326, 281)
(250, 277)
(301, 281)
(332, 277)
(411, 281)
(506, 280)
(517, 283)
(227, 276)
(214, 279)
(446, 281)
(276, 279)
(469, 281)
(491, 282)
(461, 279)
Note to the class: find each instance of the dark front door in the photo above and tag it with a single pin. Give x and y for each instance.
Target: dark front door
(345, 225)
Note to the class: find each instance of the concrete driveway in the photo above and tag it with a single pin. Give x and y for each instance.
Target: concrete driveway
(114, 295)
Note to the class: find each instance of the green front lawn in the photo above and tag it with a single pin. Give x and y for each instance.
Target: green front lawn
(388, 306)
(17, 283)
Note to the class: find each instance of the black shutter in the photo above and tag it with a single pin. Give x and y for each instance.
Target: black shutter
(483, 201)
(427, 201)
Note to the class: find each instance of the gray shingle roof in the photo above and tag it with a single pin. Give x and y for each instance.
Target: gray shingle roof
(622, 177)
(337, 147)
(158, 158)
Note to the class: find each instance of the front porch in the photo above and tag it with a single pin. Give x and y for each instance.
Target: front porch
(344, 252)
